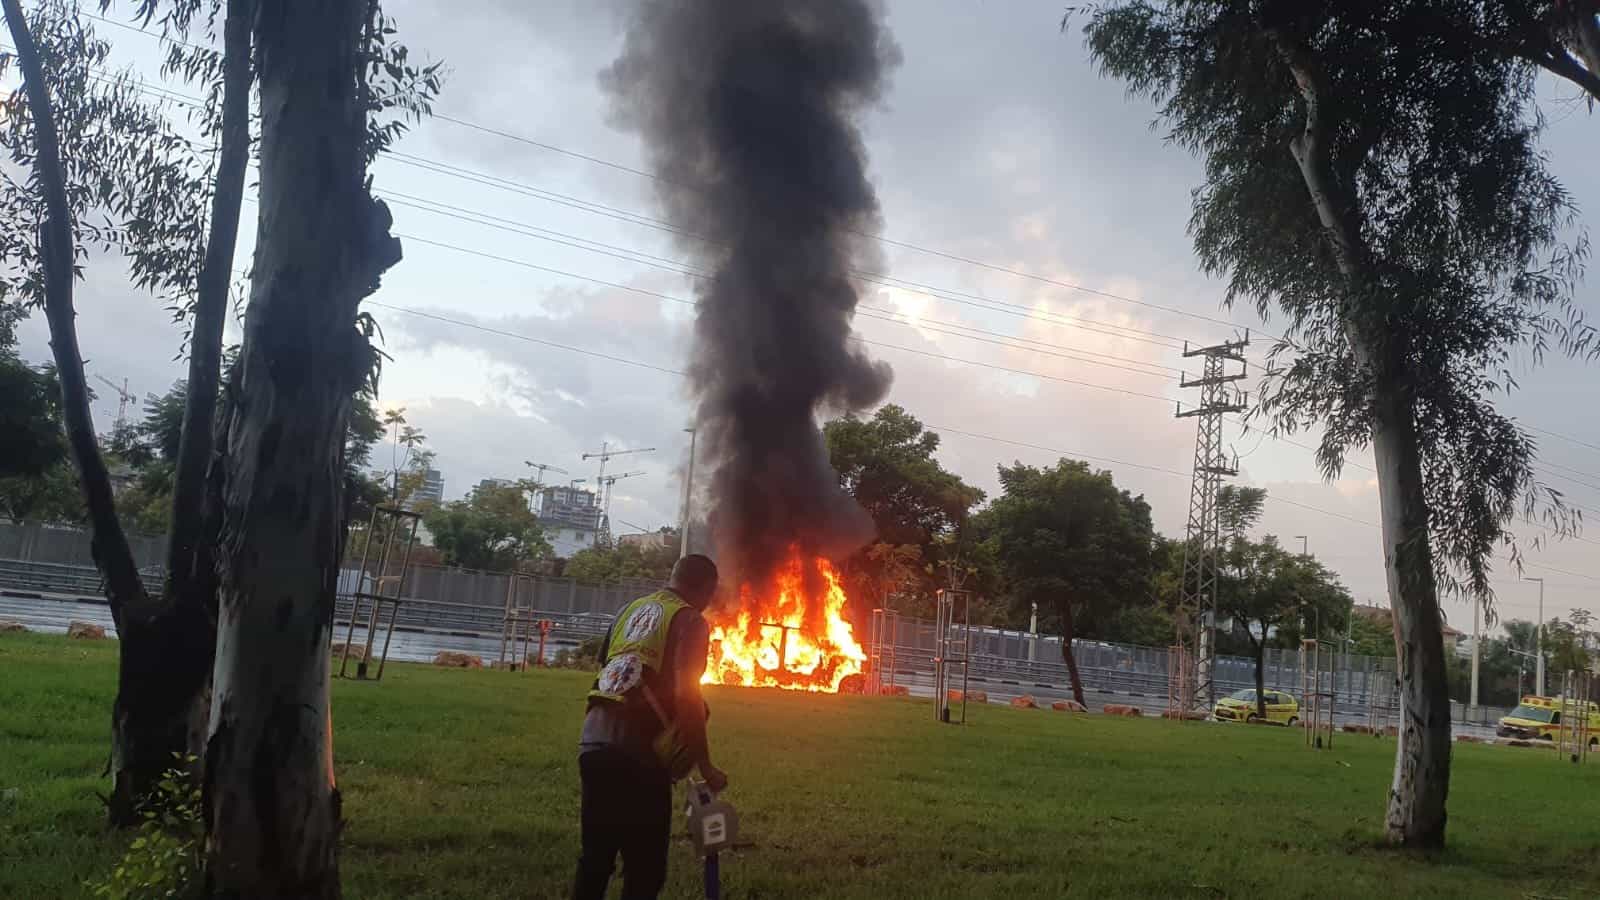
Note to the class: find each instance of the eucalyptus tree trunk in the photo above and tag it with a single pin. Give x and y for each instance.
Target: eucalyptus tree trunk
(273, 810)
(1261, 671)
(1068, 656)
(142, 741)
(170, 652)
(1416, 809)
(1580, 33)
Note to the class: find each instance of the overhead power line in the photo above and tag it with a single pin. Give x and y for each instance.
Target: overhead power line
(890, 241)
(180, 98)
(905, 245)
(860, 340)
(949, 295)
(1115, 330)
(680, 268)
(942, 429)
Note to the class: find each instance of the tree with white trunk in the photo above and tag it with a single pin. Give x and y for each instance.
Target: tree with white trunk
(1374, 182)
(118, 172)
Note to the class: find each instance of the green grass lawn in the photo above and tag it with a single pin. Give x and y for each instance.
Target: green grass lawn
(464, 784)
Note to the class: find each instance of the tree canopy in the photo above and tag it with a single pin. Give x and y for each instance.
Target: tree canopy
(600, 565)
(887, 464)
(1067, 538)
(493, 529)
(1433, 143)
(1374, 182)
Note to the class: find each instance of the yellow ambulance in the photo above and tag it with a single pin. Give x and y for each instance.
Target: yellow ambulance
(1540, 718)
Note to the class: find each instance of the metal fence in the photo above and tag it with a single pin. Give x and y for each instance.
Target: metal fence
(1018, 658)
(64, 545)
(54, 578)
(470, 603)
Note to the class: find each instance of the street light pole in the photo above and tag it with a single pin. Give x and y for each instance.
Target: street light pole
(1033, 633)
(1538, 644)
(688, 498)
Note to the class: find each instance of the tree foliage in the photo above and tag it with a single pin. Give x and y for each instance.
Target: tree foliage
(1373, 179)
(1566, 648)
(493, 529)
(1436, 144)
(1372, 635)
(887, 464)
(1067, 538)
(1275, 597)
(31, 439)
(602, 565)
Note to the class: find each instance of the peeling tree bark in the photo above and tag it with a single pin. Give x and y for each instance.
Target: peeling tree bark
(1583, 36)
(1416, 810)
(273, 814)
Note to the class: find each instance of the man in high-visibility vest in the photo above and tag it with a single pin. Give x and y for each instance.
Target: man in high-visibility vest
(645, 729)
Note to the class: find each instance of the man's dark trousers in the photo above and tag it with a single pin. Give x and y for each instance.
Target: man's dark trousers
(627, 810)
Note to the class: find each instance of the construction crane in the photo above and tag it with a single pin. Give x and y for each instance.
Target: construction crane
(605, 455)
(124, 398)
(602, 536)
(541, 468)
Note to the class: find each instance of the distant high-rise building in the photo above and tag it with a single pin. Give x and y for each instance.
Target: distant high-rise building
(494, 483)
(569, 506)
(432, 490)
(570, 518)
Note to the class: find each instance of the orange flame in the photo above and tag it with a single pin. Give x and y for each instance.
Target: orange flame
(789, 640)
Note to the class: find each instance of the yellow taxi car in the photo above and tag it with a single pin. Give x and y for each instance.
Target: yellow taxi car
(1539, 718)
(1240, 706)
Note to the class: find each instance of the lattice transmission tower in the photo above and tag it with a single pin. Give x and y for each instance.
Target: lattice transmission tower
(1192, 658)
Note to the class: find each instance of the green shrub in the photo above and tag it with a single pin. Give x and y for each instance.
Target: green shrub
(587, 654)
(163, 862)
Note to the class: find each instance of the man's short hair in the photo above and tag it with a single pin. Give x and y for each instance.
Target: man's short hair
(695, 572)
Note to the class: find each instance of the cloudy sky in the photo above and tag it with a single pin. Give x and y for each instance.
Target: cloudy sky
(537, 314)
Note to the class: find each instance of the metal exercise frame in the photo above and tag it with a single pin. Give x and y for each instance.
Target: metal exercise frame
(395, 520)
(1573, 735)
(1317, 661)
(952, 637)
(518, 626)
(882, 662)
(1383, 688)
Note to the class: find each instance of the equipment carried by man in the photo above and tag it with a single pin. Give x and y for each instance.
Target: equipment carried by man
(713, 826)
(636, 651)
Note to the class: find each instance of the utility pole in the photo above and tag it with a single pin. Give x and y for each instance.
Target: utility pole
(1033, 632)
(1197, 598)
(688, 499)
(1538, 644)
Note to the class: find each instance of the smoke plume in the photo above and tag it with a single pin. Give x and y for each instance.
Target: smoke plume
(749, 109)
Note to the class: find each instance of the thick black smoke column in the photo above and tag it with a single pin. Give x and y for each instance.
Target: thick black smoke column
(749, 109)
